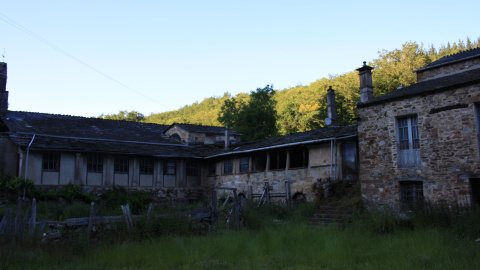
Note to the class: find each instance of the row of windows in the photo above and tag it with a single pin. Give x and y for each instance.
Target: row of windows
(278, 161)
(51, 163)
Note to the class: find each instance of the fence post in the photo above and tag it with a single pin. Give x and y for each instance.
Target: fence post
(16, 226)
(90, 221)
(267, 192)
(236, 209)
(33, 219)
(214, 205)
(287, 193)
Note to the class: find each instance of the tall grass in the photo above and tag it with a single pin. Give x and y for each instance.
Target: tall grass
(272, 238)
(288, 246)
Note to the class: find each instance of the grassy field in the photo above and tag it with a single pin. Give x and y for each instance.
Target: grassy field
(435, 237)
(282, 246)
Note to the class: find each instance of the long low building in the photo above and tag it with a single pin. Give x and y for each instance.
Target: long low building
(179, 161)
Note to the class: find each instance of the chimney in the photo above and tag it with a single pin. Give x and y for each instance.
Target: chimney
(332, 107)
(227, 139)
(3, 87)
(366, 85)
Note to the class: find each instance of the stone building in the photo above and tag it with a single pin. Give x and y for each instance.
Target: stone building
(421, 143)
(199, 134)
(180, 161)
(298, 160)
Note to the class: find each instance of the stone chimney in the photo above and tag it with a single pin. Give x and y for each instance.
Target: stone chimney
(332, 106)
(227, 138)
(3, 87)
(366, 85)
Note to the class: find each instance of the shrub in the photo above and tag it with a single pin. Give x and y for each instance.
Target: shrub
(138, 200)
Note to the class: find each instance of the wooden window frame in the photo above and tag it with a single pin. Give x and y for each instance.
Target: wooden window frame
(147, 166)
(228, 166)
(121, 165)
(51, 162)
(95, 163)
(169, 167)
(408, 141)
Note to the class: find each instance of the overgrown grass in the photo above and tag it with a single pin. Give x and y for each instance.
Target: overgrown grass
(287, 246)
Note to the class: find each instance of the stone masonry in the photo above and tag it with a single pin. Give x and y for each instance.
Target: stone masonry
(449, 149)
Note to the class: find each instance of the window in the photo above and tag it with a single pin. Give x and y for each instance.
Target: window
(146, 166)
(51, 162)
(169, 167)
(409, 142)
(95, 163)
(299, 157)
(121, 165)
(176, 137)
(349, 162)
(244, 162)
(259, 161)
(278, 160)
(412, 194)
(228, 166)
(192, 168)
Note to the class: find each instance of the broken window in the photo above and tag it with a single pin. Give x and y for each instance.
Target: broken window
(278, 160)
(412, 194)
(192, 168)
(409, 141)
(228, 166)
(244, 162)
(95, 163)
(259, 161)
(350, 171)
(299, 157)
(146, 166)
(169, 167)
(51, 161)
(121, 165)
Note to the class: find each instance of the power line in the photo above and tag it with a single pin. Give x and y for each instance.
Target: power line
(53, 46)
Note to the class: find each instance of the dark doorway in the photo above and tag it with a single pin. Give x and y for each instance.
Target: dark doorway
(475, 189)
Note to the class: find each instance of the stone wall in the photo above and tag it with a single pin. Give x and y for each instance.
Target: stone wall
(301, 180)
(449, 149)
(448, 70)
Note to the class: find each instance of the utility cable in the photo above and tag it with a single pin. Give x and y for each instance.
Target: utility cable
(53, 46)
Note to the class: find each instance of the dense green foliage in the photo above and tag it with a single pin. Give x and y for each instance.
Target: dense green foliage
(254, 120)
(304, 108)
(12, 188)
(133, 116)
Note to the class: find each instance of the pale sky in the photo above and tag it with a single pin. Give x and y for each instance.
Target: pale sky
(91, 57)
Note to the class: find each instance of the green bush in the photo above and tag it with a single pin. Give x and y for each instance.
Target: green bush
(138, 200)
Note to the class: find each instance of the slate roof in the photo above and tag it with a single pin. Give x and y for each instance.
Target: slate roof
(80, 134)
(294, 139)
(429, 87)
(461, 56)
(83, 127)
(202, 129)
(93, 135)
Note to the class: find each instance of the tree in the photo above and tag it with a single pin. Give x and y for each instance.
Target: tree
(255, 119)
(394, 68)
(133, 116)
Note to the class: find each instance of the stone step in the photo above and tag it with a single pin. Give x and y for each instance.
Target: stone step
(332, 215)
